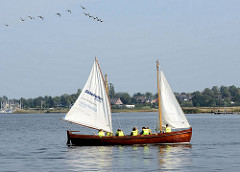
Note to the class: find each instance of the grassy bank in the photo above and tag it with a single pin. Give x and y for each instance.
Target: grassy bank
(193, 110)
(40, 111)
(187, 110)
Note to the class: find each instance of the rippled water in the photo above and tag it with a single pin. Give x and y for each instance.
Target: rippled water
(37, 142)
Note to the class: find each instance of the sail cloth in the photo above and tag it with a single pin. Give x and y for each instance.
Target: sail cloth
(92, 108)
(172, 113)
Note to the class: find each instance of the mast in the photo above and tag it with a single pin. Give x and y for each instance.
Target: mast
(159, 99)
(106, 84)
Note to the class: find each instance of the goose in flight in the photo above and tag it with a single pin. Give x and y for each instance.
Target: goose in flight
(100, 20)
(22, 19)
(6, 25)
(83, 7)
(40, 17)
(31, 17)
(58, 14)
(69, 11)
(86, 14)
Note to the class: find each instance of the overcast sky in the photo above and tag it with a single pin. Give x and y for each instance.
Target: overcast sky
(197, 44)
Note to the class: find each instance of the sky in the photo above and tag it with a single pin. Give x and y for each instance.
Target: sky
(197, 44)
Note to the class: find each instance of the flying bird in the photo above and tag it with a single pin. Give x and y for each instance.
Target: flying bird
(83, 7)
(58, 14)
(22, 19)
(40, 17)
(86, 14)
(6, 25)
(31, 17)
(69, 11)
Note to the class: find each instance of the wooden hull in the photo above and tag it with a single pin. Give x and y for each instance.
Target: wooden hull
(182, 136)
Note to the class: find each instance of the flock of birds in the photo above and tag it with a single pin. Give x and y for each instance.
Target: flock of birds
(59, 14)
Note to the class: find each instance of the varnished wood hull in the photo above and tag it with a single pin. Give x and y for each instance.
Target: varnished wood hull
(182, 136)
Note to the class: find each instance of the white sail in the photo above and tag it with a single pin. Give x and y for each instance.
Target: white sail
(172, 113)
(92, 108)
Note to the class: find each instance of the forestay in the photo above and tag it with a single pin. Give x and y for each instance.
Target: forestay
(92, 108)
(172, 113)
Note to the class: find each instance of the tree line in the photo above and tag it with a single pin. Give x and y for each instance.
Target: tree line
(214, 97)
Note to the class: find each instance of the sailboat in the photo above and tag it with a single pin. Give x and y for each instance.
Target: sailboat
(92, 109)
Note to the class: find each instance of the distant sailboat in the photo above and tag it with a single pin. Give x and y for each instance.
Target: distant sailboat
(92, 109)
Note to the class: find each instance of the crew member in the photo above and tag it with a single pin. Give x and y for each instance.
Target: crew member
(134, 131)
(144, 131)
(109, 134)
(119, 132)
(101, 133)
(149, 130)
(168, 129)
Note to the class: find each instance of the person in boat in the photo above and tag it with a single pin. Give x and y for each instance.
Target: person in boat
(144, 131)
(109, 134)
(119, 132)
(168, 129)
(101, 133)
(149, 130)
(134, 131)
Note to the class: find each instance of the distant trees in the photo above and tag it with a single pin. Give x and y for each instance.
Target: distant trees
(111, 91)
(223, 96)
(64, 101)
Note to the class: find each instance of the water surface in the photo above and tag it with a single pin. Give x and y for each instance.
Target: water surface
(37, 142)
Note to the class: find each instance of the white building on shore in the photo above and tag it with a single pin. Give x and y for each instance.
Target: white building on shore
(9, 106)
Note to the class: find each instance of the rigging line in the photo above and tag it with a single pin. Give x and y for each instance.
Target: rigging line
(93, 131)
(119, 122)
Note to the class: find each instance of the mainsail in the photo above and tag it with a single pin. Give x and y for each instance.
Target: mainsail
(172, 113)
(92, 108)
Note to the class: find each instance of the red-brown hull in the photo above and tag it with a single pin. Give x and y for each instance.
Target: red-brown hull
(182, 136)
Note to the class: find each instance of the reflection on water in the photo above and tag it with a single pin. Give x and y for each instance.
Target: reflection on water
(121, 158)
(90, 158)
(174, 156)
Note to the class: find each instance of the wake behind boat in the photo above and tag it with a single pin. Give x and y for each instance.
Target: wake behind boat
(92, 109)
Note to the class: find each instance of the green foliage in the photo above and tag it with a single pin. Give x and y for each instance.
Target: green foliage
(111, 91)
(214, 97)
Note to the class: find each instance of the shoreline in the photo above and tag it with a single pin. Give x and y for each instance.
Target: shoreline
(186, 110)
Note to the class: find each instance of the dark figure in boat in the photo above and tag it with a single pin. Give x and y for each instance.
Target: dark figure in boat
(149, 130)
(134, 132)
(145, 131)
